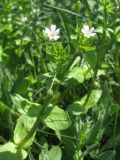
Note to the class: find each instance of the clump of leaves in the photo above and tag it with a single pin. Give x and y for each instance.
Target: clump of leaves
(58, 97)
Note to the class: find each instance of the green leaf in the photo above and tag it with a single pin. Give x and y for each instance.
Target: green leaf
(113, 142)
(77, 74)
(93, 99)
(87, 48)
(99, 29)
(91, 59)
(87, 72)
(9, 151)
(22, 41)
(108, 155)
(55, 153)
(105, 99)
(114, 109)
(57, 53)
(101, 115)
(24, 125)
(44, 150)
(77, 107)
(93, 133)
(6, 27)
(1, 53)
(73, 37)
(24, 106)
(3, 107)
(117, 33)
(58, 119)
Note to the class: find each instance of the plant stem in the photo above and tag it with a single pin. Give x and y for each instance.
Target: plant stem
(90, 149)
(101, 52)
(30, 155)
(43, 61)
(69, 65)
(115, 124)
(33, 62)
(64, 10)
(66, 136)
(102, 47)
(53, 82)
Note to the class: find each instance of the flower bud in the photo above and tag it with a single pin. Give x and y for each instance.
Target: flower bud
(51, 2)
(96, 85)
(50, 92)
(78, 6)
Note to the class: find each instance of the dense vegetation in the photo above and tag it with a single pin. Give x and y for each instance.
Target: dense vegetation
(59, 80)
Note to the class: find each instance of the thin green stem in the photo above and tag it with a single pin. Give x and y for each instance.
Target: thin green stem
(16, 114)
(64, 10)
(53, 82)
(34, 67)
(89, 69)
(89, 149)
(38, 91)
(30, 155)
(102, 47)
(101, 52)
(39, 145)
(2, 140)
(74, 138)
(115, 124)
(43, 61)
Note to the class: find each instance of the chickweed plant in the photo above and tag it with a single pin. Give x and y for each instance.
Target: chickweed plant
(60, 80)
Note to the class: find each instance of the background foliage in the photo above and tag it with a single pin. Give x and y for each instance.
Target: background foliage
(59, 100)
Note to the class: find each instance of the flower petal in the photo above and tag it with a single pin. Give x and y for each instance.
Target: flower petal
(92, 34)
(56, 37)
(83, 31)
(92, 29)
(50, 36)
(47, 31)
(86, 27)
(57, 31)
(87, 35)
(53, 28)
(52, 33)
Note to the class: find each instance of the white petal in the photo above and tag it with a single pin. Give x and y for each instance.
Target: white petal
(47, 31)
(56, 37)
(86, 27)
(92, 34)
(87, 35)
(53, 28)
(57, 31)
(83, 31)
(92, 29)
(50, 37)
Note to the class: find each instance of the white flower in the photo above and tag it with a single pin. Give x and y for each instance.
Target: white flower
(52, 32)
(87, 31)
(23, 19)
